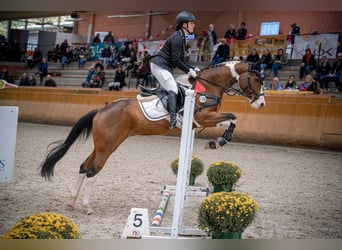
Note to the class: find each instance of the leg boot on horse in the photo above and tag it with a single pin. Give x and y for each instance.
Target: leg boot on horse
(172, 104)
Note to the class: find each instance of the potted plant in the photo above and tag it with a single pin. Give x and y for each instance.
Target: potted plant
(196, 169)
(223, 175)
(44, 226)
(226, 214)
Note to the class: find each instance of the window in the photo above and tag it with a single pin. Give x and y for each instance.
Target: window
(269, 28)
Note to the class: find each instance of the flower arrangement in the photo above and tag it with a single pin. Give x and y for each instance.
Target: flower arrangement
(196, 169)
(224, 174)
(226, 212)
(44, 226)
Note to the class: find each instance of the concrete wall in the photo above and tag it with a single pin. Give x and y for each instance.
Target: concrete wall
(288, 119)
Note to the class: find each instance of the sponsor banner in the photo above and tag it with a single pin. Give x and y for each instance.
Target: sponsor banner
(320, 45)
(242, 47)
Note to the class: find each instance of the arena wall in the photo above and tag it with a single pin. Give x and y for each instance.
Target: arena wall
(313, 121)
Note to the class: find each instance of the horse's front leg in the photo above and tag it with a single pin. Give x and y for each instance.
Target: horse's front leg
(227, 136)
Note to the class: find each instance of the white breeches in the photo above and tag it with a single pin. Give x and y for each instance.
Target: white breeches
(165, 78)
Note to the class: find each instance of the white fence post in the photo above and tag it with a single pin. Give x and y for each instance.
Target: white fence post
(185, 154)
(8, 135)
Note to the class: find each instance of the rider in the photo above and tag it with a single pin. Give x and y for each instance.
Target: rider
(170, 56)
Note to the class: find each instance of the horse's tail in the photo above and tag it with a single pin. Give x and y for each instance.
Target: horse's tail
(82, 128)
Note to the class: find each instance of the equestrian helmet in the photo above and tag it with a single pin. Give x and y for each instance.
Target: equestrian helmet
(185, 17)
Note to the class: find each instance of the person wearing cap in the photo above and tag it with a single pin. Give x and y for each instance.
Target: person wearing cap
(294, 32)
(171, 56)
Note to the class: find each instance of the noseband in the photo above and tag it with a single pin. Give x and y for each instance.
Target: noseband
(248, 91)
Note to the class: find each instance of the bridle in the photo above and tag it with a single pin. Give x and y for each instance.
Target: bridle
(247, 92)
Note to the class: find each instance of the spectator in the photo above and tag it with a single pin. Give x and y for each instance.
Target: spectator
(24, 80)
(335, 72)
(109, 38)
(64, 45)
(308, 64)
(106, 55)
(294, 32)
(36, 58)
(67, 57)
(142, 74)
(97, 38)
(242, 32)
(99, 79)
(309, 84)
(81, 57)
(230, 33)
(32, 80)
(91, 73)
(291, 83)
(212, 33)
(275, 85)
(88, 53)
(280, 61)
(57, 54)
(50, 82)
(43, 68)
(119, 79)
(124, 54)
(323, 70)
(99, 65)
(206, 46)
(266, 61)
(115, 58)
(253, 56)
(5, 75)
(132, 65)
(222, 52)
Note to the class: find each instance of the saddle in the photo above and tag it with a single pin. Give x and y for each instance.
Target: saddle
(153, 103)
(162, 95)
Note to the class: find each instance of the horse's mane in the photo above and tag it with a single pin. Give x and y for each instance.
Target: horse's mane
(220, 65)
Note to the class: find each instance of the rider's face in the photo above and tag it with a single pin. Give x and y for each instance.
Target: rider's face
(191, 27)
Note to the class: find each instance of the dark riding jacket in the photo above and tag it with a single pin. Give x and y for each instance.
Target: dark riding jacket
(171, 55)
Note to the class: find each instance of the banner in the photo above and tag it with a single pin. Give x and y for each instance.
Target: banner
(320, 45)
(242, 47)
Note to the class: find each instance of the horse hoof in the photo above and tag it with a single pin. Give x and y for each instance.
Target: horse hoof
(89, 211)
(211, 145)
(71, 203)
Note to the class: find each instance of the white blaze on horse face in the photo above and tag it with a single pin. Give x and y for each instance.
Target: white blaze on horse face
(260, 102)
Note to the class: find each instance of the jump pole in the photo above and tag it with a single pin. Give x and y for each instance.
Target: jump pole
(185, 153)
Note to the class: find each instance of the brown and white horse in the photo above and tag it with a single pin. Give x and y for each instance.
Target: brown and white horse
(113, 123)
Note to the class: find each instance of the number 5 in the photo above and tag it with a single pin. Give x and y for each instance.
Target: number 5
(137, 221)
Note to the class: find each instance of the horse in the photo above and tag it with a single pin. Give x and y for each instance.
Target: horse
(112, 124)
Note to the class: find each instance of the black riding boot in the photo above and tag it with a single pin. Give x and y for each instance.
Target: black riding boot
(172, 103)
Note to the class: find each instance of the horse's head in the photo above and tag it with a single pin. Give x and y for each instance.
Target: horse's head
(218, 79)
(250, 82)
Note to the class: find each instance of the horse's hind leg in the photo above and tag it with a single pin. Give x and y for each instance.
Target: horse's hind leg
(75, 192)
(82, 174)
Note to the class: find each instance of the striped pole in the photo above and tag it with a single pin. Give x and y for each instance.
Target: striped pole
(158, 216)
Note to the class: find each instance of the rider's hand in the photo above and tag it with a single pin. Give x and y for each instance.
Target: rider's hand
(197, 70)
(192, 73)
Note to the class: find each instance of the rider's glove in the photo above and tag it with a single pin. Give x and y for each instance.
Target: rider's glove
(192, 73)
(197, 70)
